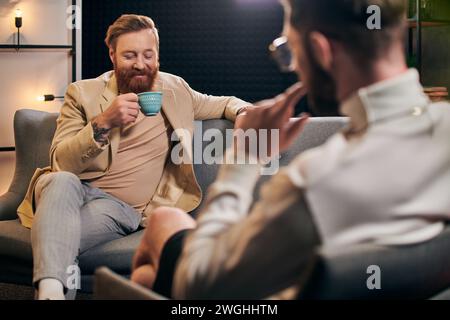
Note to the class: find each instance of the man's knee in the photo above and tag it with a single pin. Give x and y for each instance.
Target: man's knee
(61, 181)
(59, 178)
(163, 223)
(170, 219)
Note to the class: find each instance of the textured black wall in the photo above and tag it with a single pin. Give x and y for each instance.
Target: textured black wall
(218, 46)
(436, 57)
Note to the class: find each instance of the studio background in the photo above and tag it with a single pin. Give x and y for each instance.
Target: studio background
(218, 46)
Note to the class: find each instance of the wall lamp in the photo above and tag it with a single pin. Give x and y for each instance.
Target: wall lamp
(48, 97)
(18, 22)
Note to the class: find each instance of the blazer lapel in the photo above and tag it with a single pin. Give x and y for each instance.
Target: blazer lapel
(109, 94)
(172, 112)
(169, 107)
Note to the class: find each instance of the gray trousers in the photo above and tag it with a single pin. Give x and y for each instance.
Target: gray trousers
(71, 217)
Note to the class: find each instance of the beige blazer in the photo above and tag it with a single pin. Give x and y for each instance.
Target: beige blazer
(74, 149)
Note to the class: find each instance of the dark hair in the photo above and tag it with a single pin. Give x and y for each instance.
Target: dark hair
(127, 23)
(346, 21)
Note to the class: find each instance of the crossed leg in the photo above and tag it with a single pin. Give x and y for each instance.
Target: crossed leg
(70, 218)
(163, 223)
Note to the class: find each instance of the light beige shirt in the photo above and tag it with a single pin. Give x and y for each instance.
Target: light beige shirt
(389, 186)
(137, 168)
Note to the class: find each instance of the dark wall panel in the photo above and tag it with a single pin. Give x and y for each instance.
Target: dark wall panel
(218, 46)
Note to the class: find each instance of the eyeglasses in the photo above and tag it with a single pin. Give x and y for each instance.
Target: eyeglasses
(282, 54)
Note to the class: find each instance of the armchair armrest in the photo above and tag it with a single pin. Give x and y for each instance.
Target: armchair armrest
(414, 271)
(111, 286)
(9, 202)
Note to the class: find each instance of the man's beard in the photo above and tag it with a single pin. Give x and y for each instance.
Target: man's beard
(126, 81)
(321, 86)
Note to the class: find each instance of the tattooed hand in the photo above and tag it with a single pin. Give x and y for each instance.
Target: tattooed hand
(123, 110)
(101, 130)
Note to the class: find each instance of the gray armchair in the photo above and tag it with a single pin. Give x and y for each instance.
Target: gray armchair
(408, 272)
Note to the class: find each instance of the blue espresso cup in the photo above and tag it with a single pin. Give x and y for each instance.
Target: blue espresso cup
(150, 102)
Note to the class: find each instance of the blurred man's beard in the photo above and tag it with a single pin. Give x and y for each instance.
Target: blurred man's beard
(322, 96)
(128, 82)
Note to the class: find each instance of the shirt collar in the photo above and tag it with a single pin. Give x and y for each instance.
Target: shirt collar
(385, 99)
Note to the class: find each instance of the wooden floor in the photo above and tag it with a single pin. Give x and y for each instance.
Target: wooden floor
(20, 292)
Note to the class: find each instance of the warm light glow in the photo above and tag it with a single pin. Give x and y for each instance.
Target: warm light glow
(18, 13)
(40, 98)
